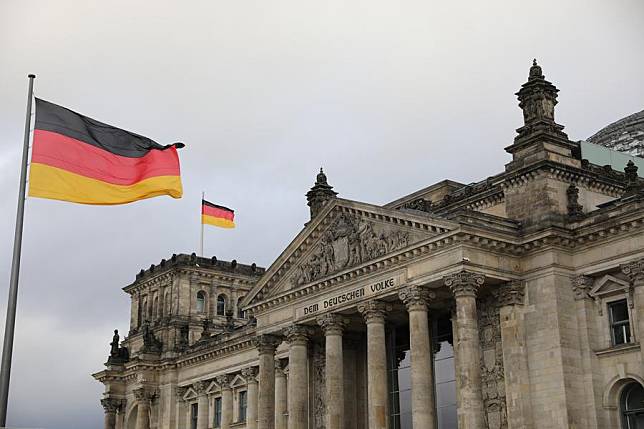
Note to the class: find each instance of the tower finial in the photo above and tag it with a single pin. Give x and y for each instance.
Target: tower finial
(320, 193)
(534, 62)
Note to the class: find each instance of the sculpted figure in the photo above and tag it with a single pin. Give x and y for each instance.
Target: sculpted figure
(115, 344)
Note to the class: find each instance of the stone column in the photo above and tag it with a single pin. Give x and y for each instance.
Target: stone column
(182, 414)
(297, 337)
(635, 273)
(250, 375)
(200, 388)
(111, 406)
(464, 285)
(515, 356)
(374, 316)
(423, 404)
(333, 325)
(266, 345)
(143, 408)
(226, 400)
(281, 405)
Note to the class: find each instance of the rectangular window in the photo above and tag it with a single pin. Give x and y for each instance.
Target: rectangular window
(194, 411)
(620, 326)
(217, 422)
(242, 406)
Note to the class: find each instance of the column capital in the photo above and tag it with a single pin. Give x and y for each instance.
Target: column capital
(143, 395)
(464, 283)
(279, 368)
(249, 374)
(511, 293)
(266, 343)
(416, 297)
(374, 311)
(224, 381)
(200, 387)
(180, 392)
(581, 285)
(332, 323)
(634, 270)
(297, 334)
(112, 405)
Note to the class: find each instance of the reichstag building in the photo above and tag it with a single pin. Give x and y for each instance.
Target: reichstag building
(513, 302)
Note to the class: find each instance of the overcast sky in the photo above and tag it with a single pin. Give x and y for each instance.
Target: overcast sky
(388, 96)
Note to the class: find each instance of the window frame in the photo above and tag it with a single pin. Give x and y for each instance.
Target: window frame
(201, 297)
(242, 406)
(627, 331)
(217, 412)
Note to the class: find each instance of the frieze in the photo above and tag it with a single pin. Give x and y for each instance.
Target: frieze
(350, 296)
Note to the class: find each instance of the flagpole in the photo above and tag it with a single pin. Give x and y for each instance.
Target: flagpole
(7, 348)
(203, 195)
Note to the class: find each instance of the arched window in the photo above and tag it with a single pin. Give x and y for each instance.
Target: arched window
(145, 308)
(240, 313)
(221, 305)
(631, 405)
(201, 301)
(155, 307)
(167, 304)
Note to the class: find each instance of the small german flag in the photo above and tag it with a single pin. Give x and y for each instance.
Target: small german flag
(212, 214)
(78, 159)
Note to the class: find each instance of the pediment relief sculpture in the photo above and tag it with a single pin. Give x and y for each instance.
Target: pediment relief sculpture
(349, 241)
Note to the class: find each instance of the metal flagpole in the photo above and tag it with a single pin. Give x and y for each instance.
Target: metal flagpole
(10, 324)
(203, 195)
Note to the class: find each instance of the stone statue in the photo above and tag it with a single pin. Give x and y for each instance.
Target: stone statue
(115, 344)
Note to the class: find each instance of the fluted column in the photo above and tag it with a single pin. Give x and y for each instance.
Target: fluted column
(464, 286)
(226, 400)
(515, 356)
(111, 406)
(423, 404)
(200, 388)
(374, 315)
(333, 325)
(266, 345)
(143, 408)
(635, 273)
(281, 405)
(297, 337)
(250, 375)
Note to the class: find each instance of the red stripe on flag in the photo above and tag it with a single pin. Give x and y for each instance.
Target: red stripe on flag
(75, 156)
(217, 212)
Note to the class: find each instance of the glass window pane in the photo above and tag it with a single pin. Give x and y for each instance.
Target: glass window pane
(446, 393)
(405, 401)
(444, 370)
(618, 311)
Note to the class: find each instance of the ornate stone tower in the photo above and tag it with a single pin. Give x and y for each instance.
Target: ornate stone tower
(319, 194)
(540, 137)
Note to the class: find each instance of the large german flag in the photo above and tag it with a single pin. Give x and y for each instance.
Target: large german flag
(212, 214)
(76, 158)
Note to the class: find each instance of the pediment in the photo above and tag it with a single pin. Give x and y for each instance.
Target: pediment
(190, 394)
(345, 234)
(609, 285)
(238, 381)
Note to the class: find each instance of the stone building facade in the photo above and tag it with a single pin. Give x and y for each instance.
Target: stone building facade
(513, 302)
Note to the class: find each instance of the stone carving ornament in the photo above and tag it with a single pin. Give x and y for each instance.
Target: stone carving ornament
(492, 371)
(319, 386)
(349, 241)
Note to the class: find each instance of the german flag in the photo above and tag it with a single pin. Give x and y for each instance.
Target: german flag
(212, 214)
(78, 159)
